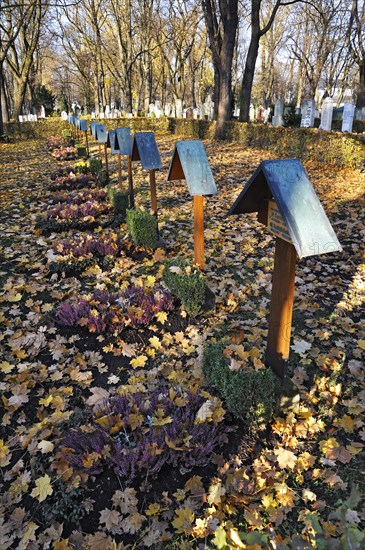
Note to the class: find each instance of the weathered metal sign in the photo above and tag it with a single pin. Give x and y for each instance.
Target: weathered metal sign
(112, 143)
(124, 141)
(93, 125)
(101, 134)
(287, 182)
(190, 162)
(275, 222)
(145, 149)
(83, 125)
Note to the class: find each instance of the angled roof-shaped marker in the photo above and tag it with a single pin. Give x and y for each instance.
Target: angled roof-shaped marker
(112, 143)
(125, 141)
(145, 149)
(93, 125)
(101, 134)
(287, 183)
(190, 162)
(83, 125)
(69, 117)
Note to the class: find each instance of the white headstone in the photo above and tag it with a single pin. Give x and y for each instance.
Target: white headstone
(43, 112)
(93, 114)
(20, 118)
(348, 117)
(151, 109)
(178, 108)
(277, 119)
(101, 115)
(107, 111)
(195, 114)
(308, 114)
(64, 115)
(167, 109)
(252, 113)
(327, 112)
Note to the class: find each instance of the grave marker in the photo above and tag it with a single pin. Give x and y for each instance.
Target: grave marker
(190, 162)
(83, 128)
(145, 149)
(125, 146)
(348, 117)
(277, 119)
(326, 118)
(283, 196)
(308, 114)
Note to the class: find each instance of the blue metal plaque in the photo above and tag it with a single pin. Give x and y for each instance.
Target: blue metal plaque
(287, 182)
(190, 162)
(145, 149)
(125, 141)
(101, 134)
(83, 125)
(112, 143)
(77, 122)
(93, 125)
(69, 117)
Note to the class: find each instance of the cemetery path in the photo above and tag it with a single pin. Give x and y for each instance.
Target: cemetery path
(296, 481)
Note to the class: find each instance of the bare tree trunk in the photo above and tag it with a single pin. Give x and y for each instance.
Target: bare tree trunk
(20, 90)
(248, 74)
(360, 103)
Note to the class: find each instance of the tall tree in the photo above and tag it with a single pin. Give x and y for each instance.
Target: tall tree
(356, 42)
(222, 22)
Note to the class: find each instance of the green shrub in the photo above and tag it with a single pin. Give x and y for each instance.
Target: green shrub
(103, 178)
(66, 133)
(94, 165)
(249, 394)
(142, 227)
(81, 151)
(186, 283)
(118, 199)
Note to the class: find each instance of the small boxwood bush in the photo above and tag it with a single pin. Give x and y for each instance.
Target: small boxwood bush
(142, 227)
(249, 394)
(186, 283)
(81, 151)
(95, 166)
(119, 200)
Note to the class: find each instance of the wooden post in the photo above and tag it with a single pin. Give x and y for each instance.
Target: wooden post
(153, 192)
(130, 182)
(100, 154)
(87, 144)
(106, 158)
(281, 307)
(199, 230)
(120, 170)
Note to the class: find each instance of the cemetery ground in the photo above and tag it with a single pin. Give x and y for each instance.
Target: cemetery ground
(295, 482)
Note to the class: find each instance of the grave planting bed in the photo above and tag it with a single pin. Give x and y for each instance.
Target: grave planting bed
(111, 436)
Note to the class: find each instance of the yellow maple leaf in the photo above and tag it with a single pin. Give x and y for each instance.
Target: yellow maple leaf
(4, 454)
(328, 445)
(45, 446)
(155, 342)
(153, 509)
(139, 361)
(150, 281)
(184, 520)
(6, 367)
(361, 344)
(43, 488)
(160, 419)
(11, 297)
(161, 317)
(285, 458)
(216, 492)
(346, 423)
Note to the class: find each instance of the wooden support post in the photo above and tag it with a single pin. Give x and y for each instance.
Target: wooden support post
(106, 158)
(87, 144)
(100, 154)
(153, 192)
(281, 307)
(130, 182)
(120, 170)
(199, 231)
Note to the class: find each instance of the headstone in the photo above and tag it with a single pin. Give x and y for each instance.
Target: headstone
(151, 109)
(277, 119)
(308, 113)
(236, 112)
(167, 109)
(93, 114)
(101, 115)
(252, 113)
(107, 111)
(259, 113)
(326, 118)
(195, 114)
(20, 118)
(43, 112)
(348, 117)
(189, 113)
(64, 115)
(266, 115)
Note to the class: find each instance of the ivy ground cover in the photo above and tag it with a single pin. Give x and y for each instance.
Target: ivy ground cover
(110, 435)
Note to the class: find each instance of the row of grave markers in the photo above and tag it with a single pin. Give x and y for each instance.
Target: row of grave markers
(279, 191)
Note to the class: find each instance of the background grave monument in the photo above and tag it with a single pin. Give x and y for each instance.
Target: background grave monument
(283, 196)
(190, 162)
(326, 118)
(348, 117)
(277, 119)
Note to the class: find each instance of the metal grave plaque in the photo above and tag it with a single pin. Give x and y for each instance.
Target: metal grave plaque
(83, 125)
(93, 125)
(190, 162)
(145, 149)
(111, 143)
(101, 134)
(275, 223)
(125, 141)
(287, 182)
